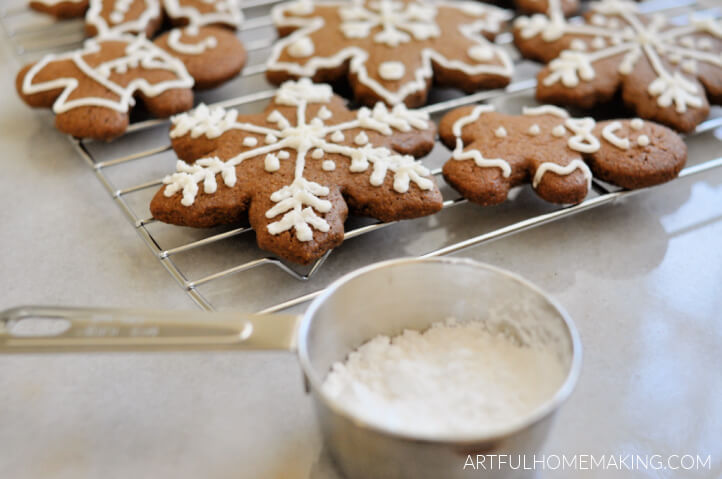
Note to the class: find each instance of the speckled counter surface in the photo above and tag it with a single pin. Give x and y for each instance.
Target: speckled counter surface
(642, 278)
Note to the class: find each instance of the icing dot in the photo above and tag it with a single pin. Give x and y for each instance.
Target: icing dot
(391, 70)
(643, 140)
(481, 53)
(301, 48)
(614, 23)
(559, 131)
(361, 139)
(687, 42)
(500, 132)
(534, 130)
(284, 155)
(616, 40)
(324, 113)
(674, 58)
(117, 17)
(578, 45)
(636, 124)
(250, 141)
(270, 139)
(328, 165)
(337, 136)
(598, 19)
(689, 66)
(272, 163)
(599, 42)
(317, 154)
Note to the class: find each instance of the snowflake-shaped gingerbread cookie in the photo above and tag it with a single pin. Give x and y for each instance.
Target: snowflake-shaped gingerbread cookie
(557, 154)
(661, 68)
(297, 168)
(390, 49)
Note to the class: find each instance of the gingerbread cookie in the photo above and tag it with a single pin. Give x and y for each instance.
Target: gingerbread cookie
(106, 17)
(212, 55)
(296, 169)
(91, 90)
(225, 13)
(662, 69)
(61, 8)
(390, 50)
(493, 152)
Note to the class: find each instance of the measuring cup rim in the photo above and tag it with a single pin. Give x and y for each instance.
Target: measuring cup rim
(539, 413)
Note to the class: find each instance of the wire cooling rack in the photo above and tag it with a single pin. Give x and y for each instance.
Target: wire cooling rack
(223, 268)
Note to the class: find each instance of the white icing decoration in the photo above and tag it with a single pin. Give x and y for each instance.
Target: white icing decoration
(643, 140)
(270, 139)
(608, 133)
(545, 110)
(272, 163)
(174, 42)
(337, 136)
(578, 45)
(500, 132)
(324, 113)
(391, 70)
(534, 130)
(299, 203)
(301, 48)
(636, 123)
(583, 139)
(399, 22)
(562, 171)
(481, 53)
(472, 154)
(559, 131)
(225, 12)
(631, 37)
(139, 54)
(250, 141)
(361, 139)
(93, 17)
(55, 2)
(358, 24)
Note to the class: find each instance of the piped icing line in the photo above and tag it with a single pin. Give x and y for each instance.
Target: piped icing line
(139, 25)
(609, 134)
(625, 33)
(300, 202)
(227, 12)
(544, 110)
(473, 154)
(560, 170)
(177, 44)
(358, 57)
(140, 53)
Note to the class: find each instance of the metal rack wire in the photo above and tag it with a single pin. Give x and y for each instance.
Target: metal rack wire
(131, 169)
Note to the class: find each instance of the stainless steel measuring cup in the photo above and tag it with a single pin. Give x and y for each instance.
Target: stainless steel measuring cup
(384, 298)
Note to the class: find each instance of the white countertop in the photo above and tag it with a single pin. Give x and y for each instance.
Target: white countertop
(641, 279)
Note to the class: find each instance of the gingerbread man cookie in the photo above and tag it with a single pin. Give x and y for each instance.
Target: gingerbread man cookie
(493, 152)
(661, 68)
(92, 90)
(390, 50)
(61, 8)
(106, 17)
(296, 169)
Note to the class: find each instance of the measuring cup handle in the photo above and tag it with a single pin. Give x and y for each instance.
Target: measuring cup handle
(39, 329)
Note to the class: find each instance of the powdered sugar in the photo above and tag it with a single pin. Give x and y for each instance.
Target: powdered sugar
(452, 379)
